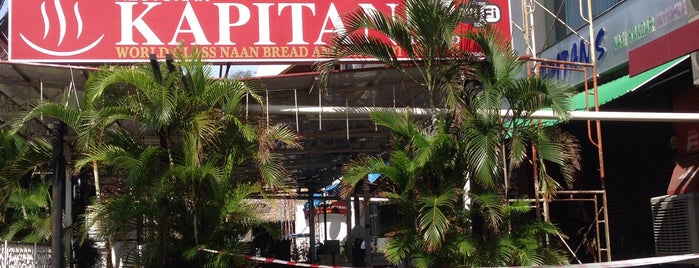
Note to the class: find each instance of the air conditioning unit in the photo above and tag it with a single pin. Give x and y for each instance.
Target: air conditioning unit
(676, 223)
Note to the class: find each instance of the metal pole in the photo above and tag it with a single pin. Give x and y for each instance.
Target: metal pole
(347, 119)
(343, 113)
(267, 105)
(593, 61)
(525, 29)
(57, 194)
(320, 110)
(349, 242)
(68, 210)
(296, 104)
(367, 222)
(357, 224)
(597, 233)
(5, 255)
(532, 34)
(35, 257)
(312, 226)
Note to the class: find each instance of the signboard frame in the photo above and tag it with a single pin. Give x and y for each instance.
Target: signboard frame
(246, 32)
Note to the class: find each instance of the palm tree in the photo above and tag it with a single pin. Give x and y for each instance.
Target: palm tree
(88, 123)
(422, 178)
(24, 195)
(190, 182)
(423, 30)
(498, 144)
(33, 208)
(191, 188)
(483, 148)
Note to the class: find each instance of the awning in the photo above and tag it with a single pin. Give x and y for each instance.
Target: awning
(617, 88)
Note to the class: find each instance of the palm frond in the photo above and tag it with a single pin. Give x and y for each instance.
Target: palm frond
(569, 147)
(15, 228)
(518, 150)
(433, 24)
(490, 207)
(483, 139)
(399, 123)
(196, 76)
(239, 207)
(516, 208)
(355, 172)
(117, 216)
(34, 198)
(41, 227)
(401, 245)
(535, 93)
(467, 247)
(433, 221)
(36, 155)
(193, 175)
(272, 173)
(353, 41)
(69, 115)
(138, 77)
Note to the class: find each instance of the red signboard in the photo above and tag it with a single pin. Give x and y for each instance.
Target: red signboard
(225, 30)
(670, 46)
(336, 207)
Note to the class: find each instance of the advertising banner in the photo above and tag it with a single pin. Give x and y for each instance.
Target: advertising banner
(252, 31)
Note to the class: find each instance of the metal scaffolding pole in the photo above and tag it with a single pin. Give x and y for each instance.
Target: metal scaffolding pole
(601, 223)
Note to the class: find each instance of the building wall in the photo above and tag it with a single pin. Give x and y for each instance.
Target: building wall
(686, 100)
(639, 160)
(626, 26)
(638, 165)
(639, 157)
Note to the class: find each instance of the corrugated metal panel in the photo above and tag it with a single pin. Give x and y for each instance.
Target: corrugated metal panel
(638, 166)
(638, 161)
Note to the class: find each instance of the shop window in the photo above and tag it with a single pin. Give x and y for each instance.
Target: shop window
(569, 12)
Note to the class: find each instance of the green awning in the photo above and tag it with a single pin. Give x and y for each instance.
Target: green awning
(617, 88)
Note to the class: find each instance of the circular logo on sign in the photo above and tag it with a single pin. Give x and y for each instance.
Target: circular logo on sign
(482, 12)
(491, 13)
(61, 16)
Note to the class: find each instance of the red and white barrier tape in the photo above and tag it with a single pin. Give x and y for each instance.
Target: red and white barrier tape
(634, 262)
(277, 261)
(612, 264)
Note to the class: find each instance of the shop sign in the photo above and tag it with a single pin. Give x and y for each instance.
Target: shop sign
(223, 30)
(579, 52)
(623, 28)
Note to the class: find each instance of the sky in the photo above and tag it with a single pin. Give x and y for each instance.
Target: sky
(267, 70)
(255, 70)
